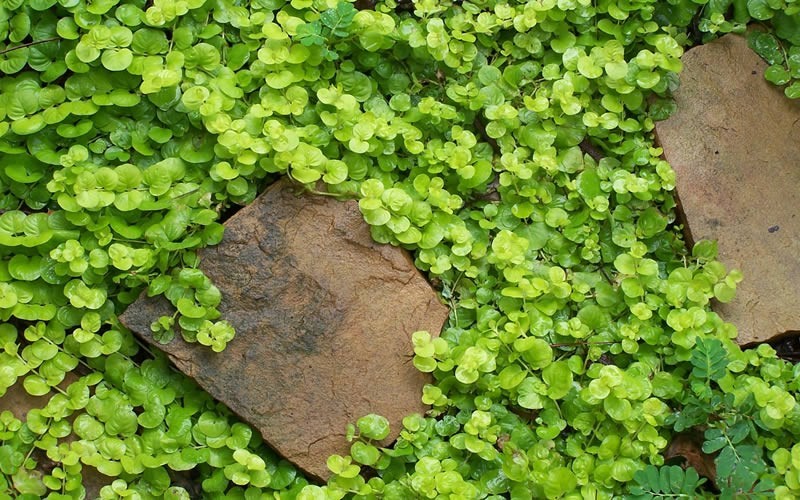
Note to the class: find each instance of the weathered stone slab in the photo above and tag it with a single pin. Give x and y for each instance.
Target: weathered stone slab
(324, 318)
(734, 144)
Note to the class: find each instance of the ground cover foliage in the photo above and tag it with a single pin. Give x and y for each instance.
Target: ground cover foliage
(507, 144)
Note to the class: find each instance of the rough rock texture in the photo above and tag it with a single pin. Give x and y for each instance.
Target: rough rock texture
(323, 317)
(734, 144)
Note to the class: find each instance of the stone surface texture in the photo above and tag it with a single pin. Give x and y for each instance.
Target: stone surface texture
(323, 316)
(735, 146)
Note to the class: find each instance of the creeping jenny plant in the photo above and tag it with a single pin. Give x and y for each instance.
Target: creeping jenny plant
(507, 144)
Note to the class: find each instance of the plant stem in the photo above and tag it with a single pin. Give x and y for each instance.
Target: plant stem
(29, 44)
(570, 344)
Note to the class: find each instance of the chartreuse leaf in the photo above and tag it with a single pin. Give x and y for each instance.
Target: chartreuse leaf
(373, 427)
(117, 59)
(363, 453)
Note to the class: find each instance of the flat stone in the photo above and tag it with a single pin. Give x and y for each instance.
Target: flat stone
(734, 144)
(323, 316)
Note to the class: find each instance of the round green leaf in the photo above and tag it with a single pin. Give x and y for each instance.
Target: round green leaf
(116, 59)
(373, 427)
(35, 385)
(364, 453)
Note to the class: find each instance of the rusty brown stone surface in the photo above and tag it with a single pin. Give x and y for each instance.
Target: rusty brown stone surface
(734, 144)
(323, 316)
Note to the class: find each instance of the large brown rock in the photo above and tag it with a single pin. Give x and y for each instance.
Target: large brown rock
(734, 144)
(323, 316)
